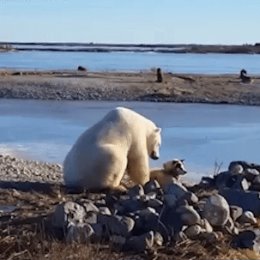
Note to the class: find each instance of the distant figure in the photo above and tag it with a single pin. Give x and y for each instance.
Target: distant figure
(244, 78)
(81, 68)
(159, 76)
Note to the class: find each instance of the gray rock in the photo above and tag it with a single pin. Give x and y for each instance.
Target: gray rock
(249, 239)
(216, 210)
(90, 206)
(192, 231)
(250, 174)
(248, 201)
(117, 242)
(129, 205)
(229, 226)
(137, 190)
(247, 217)
(68, 213)
(151, 186)
(235, 212)
(190, 197)
(158, 239)
(113, 225)
(210, 238)
(140, 243)
(239, 182)
(91, 217)
(235, 168)
(105, 211)
(80, 233)
(205, 226)
(170, 200)
(188, 215)
(98, 234)
(176, 189)
(154, 203)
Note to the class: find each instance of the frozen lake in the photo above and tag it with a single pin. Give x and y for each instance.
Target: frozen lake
(202, 134)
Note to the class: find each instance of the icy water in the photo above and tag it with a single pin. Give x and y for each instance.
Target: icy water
(201, 134)
(132, 61)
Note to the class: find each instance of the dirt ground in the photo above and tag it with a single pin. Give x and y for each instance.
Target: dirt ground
(142, 86)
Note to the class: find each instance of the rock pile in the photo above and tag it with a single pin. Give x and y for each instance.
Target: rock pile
(151, 215)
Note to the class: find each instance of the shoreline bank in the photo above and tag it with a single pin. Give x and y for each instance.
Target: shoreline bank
(125, 86)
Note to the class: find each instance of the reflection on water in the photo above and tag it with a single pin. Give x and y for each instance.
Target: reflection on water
(202, 134)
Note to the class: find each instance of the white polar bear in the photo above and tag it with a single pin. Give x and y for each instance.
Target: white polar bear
(121, 142)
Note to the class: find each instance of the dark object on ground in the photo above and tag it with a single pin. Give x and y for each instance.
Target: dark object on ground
(159, 75)
(243, 76)
(81, 68)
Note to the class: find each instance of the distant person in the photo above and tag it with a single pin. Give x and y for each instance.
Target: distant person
(243, 76)
(159, 76)
(81, 68)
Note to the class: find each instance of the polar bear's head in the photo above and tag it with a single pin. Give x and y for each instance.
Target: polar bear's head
(154, 143)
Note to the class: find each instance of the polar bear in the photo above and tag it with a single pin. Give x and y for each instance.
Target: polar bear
(121, 142)
(171, 170)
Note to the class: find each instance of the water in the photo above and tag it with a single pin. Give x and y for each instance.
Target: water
(132, 61)
(201, 134)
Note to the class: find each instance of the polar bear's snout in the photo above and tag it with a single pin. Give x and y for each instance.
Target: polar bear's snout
(154, 155)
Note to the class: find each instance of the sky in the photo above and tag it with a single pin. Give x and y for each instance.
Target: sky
(131, 21)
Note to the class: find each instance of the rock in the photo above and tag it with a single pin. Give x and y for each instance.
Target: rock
(137, 190)
(250, 174)
(90, 206)
(140, 243)
(216, 210)
(173, 192)
(255, 185)
(117, 242)
(68, 213)
(229, 226)
(80, 233)
(249, 239)
(210, 238)
(221, 179)
(248, 201)
(235, 212)
(247, 217)
(176, 189)
(91, 217)
(188, 215)
(98, 235)
(113, 225)
(235, 168)
(158, 239)
(238, 182)
(205, 226)
(128, 205)
(192, 231)
(151, 186)
(105, 211)
(170, 200)
(154, 203)
(190, 197)
(207, 182)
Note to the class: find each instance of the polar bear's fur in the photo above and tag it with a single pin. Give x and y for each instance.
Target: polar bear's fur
(171, 170)
(121, 142)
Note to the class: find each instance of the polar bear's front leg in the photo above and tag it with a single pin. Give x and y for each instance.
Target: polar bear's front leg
(138, 169)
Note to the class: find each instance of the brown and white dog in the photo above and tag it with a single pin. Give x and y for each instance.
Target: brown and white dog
(171, 170)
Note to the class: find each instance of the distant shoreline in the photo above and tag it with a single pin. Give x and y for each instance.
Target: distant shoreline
(102, 47)
(123, 86)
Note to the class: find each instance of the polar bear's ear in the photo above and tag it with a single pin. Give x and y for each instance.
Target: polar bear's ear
(158, 130)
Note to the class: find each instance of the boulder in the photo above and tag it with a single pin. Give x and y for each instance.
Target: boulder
(247, 200)
(249, 239)
(80, 233)
(140, 243)
(216, 210)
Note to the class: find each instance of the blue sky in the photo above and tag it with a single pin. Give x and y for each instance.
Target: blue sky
(131, 21)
